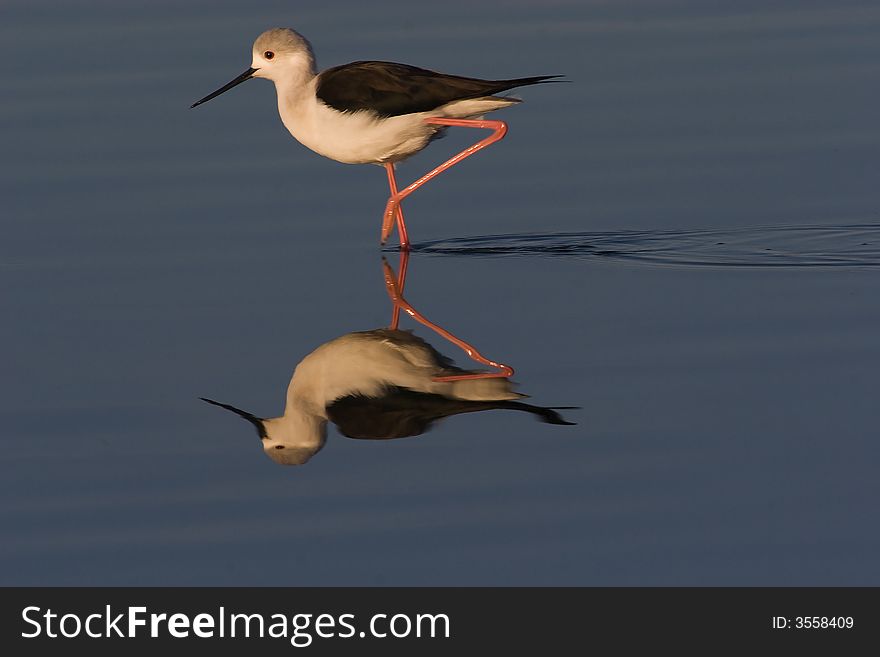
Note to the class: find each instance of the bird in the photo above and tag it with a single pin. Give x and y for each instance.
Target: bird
(377, 384)
(374, 112)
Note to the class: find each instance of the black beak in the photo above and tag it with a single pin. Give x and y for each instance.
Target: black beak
(247, 75)
(253, 419)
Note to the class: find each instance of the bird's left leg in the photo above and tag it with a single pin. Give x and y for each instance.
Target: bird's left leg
(499, 129)
(395, 292)
(401, 226)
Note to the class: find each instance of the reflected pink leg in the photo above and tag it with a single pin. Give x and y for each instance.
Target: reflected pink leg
(499, 129)
(401, 226)
(394, 286)
(401, 282)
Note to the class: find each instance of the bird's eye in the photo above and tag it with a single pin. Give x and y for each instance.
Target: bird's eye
(279, 446)
(268, 54)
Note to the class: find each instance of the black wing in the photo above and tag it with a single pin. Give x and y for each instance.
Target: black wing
(390, 89)
(400, 413)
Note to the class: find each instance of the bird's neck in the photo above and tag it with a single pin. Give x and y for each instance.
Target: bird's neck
(293, 81)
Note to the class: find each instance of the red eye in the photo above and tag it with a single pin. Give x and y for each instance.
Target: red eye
(268, 54)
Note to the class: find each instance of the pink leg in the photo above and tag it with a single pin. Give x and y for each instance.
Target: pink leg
(394, 286)
(499, 129)
(401, 226)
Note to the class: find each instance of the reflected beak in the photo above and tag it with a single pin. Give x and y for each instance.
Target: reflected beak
(250, 417)
(247, 75)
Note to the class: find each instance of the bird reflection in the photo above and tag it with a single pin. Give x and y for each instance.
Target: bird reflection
(383, 384)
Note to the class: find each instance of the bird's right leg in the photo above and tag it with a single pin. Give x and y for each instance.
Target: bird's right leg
(499, 129)
(393, 285)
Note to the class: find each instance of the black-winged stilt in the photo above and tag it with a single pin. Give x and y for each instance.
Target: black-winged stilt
(374, 112)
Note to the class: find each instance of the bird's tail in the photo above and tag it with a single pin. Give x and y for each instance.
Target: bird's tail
(524, 82)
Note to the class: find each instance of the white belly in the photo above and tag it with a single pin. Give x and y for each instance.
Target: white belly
(357, 137)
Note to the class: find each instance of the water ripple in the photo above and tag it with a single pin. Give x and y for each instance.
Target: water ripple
(853, 245)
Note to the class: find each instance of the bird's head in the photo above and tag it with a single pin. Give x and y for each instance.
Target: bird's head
(285, 440)
(281, 55)
(281, 52)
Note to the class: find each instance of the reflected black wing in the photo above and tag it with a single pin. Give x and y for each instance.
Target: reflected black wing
(400, 413)
(390, 89)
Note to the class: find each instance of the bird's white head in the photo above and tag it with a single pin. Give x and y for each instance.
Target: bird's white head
(287, 440)
(281, 55)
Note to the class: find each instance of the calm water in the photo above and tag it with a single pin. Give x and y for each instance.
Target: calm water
(696, 266)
